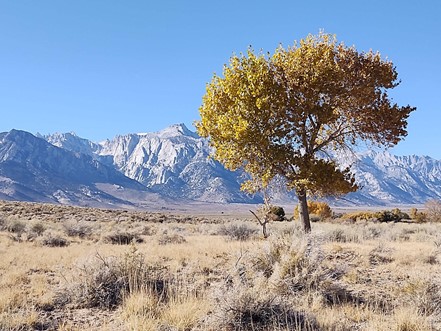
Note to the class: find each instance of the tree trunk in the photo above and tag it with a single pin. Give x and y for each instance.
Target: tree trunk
(265, 221)
(303, 211)
(265, 233)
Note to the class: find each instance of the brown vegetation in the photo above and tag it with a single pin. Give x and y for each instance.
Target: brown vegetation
(60, 271)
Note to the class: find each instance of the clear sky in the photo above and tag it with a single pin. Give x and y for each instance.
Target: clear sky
(102, 68)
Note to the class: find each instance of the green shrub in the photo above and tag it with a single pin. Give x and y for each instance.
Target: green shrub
(278, 212)
(394, 215)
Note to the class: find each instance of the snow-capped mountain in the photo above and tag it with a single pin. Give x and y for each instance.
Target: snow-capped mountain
(31, 169)
(71, 142)
(388, 179)
(174, 163)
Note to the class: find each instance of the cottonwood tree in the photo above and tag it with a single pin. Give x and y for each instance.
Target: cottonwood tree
(281, 114)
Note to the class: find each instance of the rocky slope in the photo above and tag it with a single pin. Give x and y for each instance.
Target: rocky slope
(174, 164)
(31, 169)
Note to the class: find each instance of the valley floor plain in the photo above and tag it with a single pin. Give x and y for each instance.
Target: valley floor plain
(71, 268)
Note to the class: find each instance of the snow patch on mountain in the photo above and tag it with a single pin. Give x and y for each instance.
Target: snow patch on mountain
(31, 169)
(175, 163)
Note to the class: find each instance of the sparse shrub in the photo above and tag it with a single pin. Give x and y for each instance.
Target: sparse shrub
(175, 238)
(301, 269)
(16, 226)
(433, 210)
(265, 260)
(267, 213)
(242, 307)
(122, 238)
(404, 235)
(338, 235)
(371, 232)
(317, 208)
(236, 231)
(394, 215)
(38, 228)
(278, 212)
(149, 230)
(54, 240)
(380, 255)
(360, 216)
(400, 214)
(77, 229)
(437, 243)
(2, 223)
(105, 281)
(431, 258)
(418, 216)
(262, 290)
(21, 320)
(425, 295)
(314, 218)
(342, 234)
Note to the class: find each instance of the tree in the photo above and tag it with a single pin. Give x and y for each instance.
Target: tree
(282, 114)
(320, 209)
(433, 210)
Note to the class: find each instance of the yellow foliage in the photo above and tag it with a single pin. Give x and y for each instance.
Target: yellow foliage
(418, 216)
(321, 209)
(360, 216)
(275, 114)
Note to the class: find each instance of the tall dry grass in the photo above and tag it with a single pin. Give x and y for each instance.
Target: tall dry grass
(362, 276)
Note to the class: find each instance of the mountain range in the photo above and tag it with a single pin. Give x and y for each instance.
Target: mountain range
(172, 167)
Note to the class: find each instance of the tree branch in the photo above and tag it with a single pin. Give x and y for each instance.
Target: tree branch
(258, 219)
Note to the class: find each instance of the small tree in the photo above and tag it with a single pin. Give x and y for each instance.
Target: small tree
(279, 115)
(268, 213)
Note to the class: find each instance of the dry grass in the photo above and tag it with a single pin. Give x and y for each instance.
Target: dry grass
(194, 273)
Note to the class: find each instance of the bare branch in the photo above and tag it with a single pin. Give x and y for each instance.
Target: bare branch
(258, 219)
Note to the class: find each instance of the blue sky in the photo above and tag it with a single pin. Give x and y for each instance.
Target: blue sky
(102, 68)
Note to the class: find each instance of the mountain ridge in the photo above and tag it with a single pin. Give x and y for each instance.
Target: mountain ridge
(31, 169)
(174, 163)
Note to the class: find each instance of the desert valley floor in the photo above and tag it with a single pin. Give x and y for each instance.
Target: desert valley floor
(71, 268)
